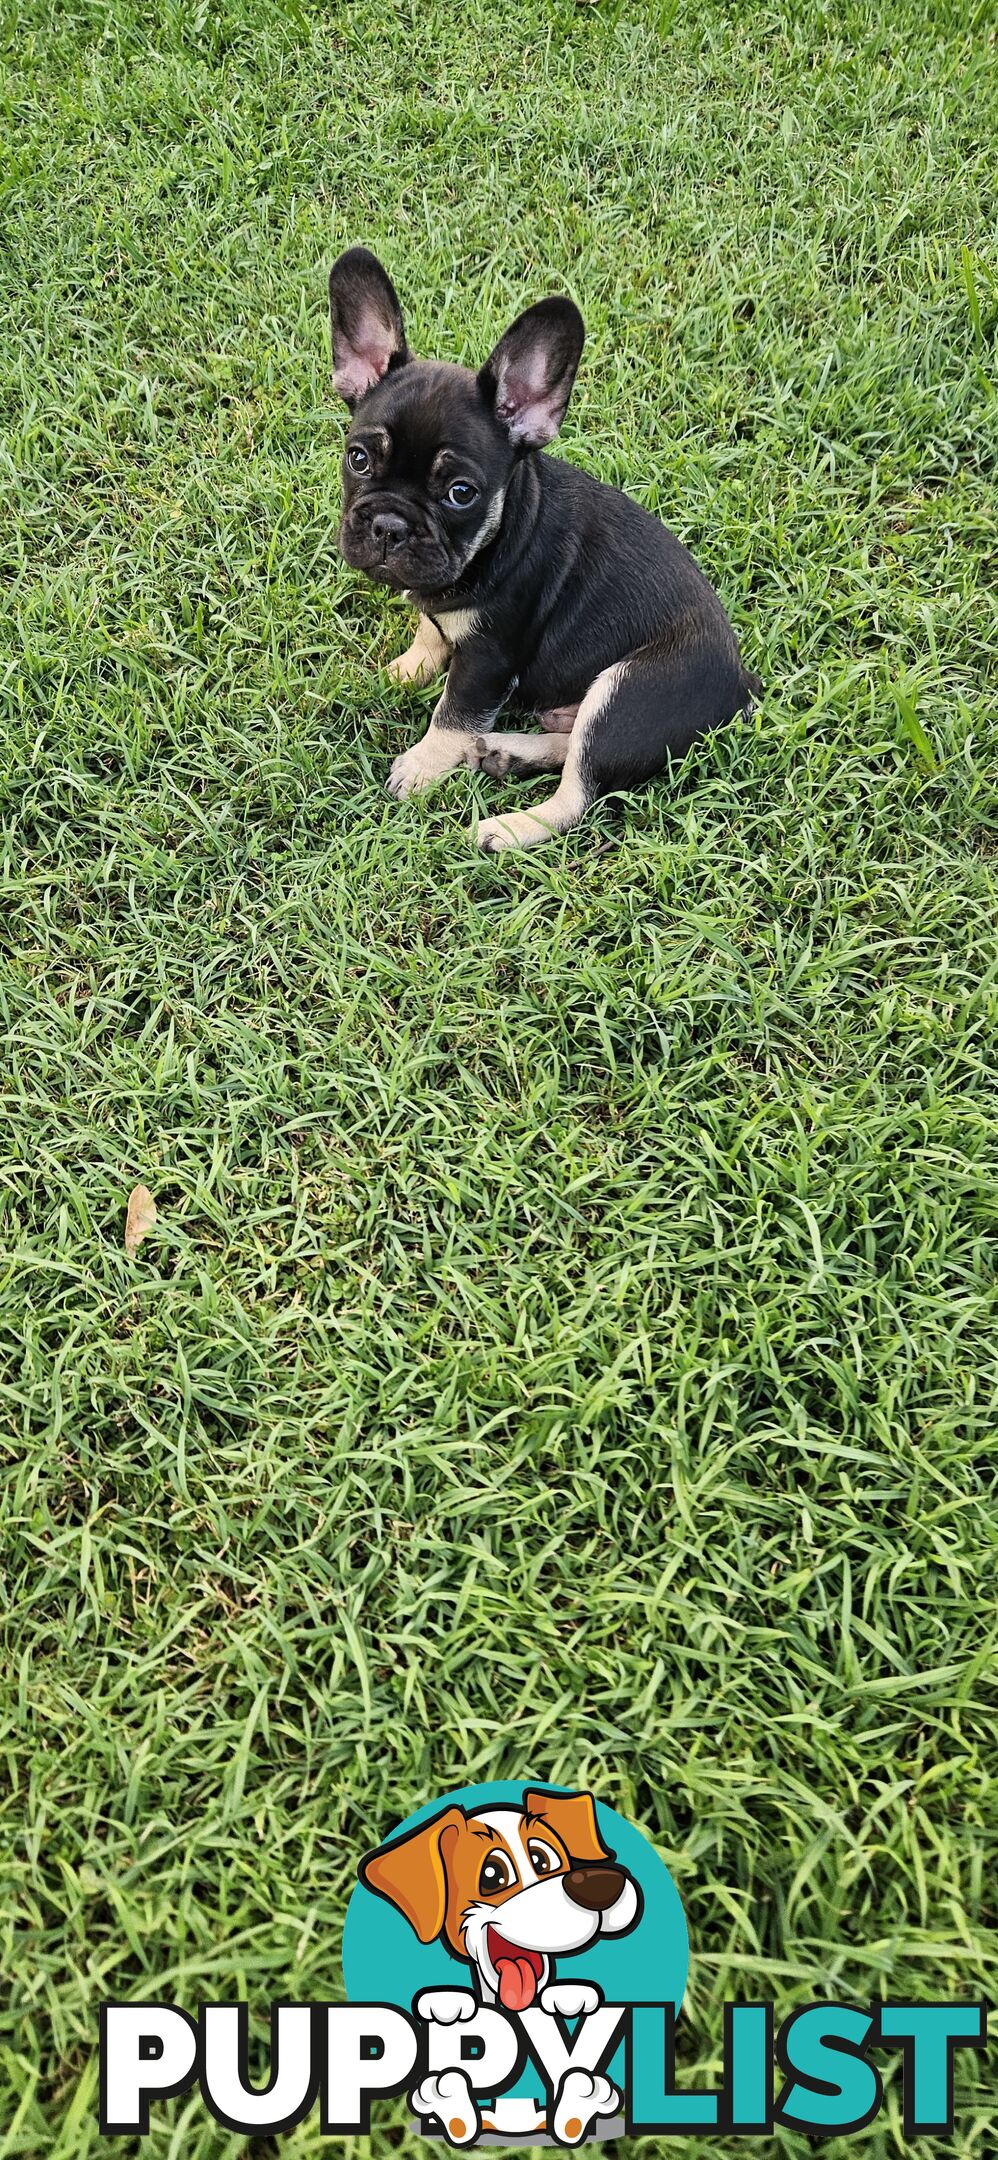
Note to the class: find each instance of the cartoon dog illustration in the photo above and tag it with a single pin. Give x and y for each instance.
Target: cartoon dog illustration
(508, 1889)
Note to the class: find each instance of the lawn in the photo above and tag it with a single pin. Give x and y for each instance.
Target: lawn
(568, 1344)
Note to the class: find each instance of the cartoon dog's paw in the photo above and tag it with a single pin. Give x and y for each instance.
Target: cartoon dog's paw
(581, 2098)
(449, 2099)
(446, 2006)
(570, 1998)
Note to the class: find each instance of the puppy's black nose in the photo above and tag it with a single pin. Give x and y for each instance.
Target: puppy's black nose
(595, 1888)
(387, 526)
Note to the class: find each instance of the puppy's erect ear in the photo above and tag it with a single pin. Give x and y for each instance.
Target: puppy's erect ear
(572, 1817)
(412, 1872)
(528, 378)
(366, 323)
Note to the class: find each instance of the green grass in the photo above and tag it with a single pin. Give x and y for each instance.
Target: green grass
(569, 1342)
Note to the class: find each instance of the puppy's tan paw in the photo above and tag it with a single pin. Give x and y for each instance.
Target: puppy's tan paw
(411, 666)
(495, 835)
(441, 751)
(408, 774)
(521, 829)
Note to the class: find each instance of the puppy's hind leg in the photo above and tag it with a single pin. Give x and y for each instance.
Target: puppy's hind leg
(571, 799)
(660, 699)
(633, 718)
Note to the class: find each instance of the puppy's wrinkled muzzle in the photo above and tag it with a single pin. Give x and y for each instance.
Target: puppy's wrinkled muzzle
(383, 544)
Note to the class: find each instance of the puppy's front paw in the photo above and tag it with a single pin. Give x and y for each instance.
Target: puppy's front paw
(414, 666)
(409, 773)
(439, 752)
(450, 2100)
(570, 1998)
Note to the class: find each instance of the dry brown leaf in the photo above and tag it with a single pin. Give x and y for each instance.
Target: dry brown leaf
(140, 1217)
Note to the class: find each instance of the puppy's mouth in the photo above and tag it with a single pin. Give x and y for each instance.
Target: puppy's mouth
(518, 1971)
(406, 561)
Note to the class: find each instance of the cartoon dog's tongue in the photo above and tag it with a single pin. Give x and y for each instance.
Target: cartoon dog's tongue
(517, 1984)
(518, 1971)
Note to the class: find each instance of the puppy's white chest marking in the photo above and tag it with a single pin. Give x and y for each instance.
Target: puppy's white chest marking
(459, 624)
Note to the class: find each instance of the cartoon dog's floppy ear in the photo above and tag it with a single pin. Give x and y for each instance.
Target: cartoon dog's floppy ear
(572, 1817)
(412, 1872)
(366, 323)
(528, 379)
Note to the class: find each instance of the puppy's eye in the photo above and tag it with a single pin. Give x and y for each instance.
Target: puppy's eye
(357, 458)
(497, 1874)
(542, 1859)
(461, 494)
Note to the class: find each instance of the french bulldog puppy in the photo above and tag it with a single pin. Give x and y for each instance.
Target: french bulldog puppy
(536, 585)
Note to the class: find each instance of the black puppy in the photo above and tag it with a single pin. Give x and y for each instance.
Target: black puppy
(535, 584)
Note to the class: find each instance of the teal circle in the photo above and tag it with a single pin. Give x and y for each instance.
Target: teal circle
(384, 1960)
